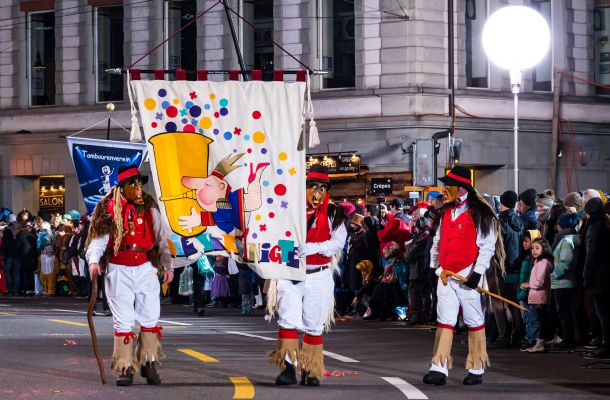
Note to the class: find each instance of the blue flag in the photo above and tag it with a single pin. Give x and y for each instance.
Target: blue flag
(97, 164)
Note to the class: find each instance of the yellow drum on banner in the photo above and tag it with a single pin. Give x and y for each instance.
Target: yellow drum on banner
(179, 154)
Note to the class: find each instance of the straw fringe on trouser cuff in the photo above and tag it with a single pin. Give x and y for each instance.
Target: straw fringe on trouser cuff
(477, 359)
(148, 348)
(122, 354)
(288, 349)
(441, 357)
(312, 357)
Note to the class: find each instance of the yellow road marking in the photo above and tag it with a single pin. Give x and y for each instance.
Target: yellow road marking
(61, 321)
(7, 313)
(198, 355)
(244, 389)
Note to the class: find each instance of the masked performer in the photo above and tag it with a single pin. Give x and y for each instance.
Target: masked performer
(129, 240)
(307, 306)
(466, 243)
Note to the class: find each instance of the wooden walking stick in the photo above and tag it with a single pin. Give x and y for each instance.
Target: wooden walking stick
(96, 349)
(444, 277)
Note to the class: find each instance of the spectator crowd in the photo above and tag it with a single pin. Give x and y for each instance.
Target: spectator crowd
(557, 267)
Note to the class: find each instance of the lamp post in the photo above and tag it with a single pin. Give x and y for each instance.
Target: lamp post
(516, 38)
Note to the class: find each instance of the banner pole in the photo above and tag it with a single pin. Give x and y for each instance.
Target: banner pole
(110, 109)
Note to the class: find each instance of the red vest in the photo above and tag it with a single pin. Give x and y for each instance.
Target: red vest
(134, 248)
(458, 245)
(318, 235)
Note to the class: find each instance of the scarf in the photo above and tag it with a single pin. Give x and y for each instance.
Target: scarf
(317, 221)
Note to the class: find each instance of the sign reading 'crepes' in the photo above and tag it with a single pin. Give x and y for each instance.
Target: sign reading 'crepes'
(381, 186)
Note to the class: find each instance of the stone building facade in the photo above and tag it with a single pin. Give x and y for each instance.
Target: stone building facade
(388, 85)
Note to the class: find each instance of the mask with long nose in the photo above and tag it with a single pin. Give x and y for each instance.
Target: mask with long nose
(315, 193)
(133, 192)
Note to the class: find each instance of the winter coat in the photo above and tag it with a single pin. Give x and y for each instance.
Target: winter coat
(540, 282)
(596, 271)
(11, 248)
(357, 251)
(372, 223)
(29, 253)
(395, 230)
(512, 229)
(563, 275)
(529, 219)
(415, 259)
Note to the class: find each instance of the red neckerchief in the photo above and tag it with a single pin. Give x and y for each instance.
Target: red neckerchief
(320, 226)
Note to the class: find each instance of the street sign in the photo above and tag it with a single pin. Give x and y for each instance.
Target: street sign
(431, 192)
(381, 186)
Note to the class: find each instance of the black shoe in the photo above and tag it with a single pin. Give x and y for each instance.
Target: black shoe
(149, 371)
(201, 312)
(307, 380)
(435, 378)
(288, 376)
(473, 379)
(500, 343)
(125, 379)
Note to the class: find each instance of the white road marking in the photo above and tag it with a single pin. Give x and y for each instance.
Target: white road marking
(174, 323)
(250, 335)
(5, 305)
(70, 311)
(339, 357)
(406, 388)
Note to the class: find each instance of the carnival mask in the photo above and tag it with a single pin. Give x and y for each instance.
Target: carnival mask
(133, 192)
(450, 193)
(315, 193)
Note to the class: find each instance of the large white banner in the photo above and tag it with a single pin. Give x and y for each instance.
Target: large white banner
(227, 169)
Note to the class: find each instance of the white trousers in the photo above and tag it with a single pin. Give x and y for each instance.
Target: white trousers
(304, 306)
(133, 295)
(450, 299)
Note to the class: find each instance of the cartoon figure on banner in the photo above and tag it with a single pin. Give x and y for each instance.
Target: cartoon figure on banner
(223, 207)
(106, 174)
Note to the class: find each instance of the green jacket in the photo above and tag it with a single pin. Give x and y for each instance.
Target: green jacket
(524, 276)
(563, 277)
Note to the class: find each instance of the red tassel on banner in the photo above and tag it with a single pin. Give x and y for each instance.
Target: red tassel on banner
(135, 74)
(180, 74)
(278, 75)
(202, 74)
(159, 74)
(257, 75)
(234, 75)
(301, 75)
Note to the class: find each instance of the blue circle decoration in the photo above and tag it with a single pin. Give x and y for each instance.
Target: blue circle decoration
(207, 106)
(223, 102)
(216, 131)
(254, 236)
(247, 137)
(228, 135)
(162, 92)
(223, 111)
(269, 200)
(171, 127)
(195, 111)
(185, 121)
(165, 104)
(263, 151)
(265, 183)
(188, 104)
(279, 171)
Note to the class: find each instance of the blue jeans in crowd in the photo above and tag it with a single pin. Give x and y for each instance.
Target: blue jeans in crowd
(12, 272)
(532, 323)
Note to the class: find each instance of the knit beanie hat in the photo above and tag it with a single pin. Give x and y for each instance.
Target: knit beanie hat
(508, 199)
(567, 220)
(545, 201)
(590, 194)
(528, 197)
(573, 200)
(594, 206)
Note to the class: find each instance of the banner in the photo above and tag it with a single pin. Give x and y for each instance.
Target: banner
(227, 169)
(97, 164)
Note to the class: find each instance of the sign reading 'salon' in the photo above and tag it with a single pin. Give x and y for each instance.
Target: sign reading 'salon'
(381, 186)
(51, 199)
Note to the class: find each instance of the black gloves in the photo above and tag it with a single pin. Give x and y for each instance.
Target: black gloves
(473, 280)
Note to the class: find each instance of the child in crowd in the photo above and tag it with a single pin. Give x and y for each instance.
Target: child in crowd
(524, 264)
(47, 259)
(539, 287)
(221, 291)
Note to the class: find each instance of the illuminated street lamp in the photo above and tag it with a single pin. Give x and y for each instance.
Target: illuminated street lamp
(516, 38)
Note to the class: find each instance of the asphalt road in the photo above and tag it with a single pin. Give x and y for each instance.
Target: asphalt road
(45, 353)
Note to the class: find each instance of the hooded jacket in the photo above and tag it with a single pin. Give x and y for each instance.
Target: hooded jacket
(596, 270)
(512, 228)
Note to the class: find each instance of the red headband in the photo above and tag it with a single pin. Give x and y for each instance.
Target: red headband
(459, 178)
(128, 173)
(317, 175)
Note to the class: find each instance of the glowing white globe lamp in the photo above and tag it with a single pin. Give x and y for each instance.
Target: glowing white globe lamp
(516, 38)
